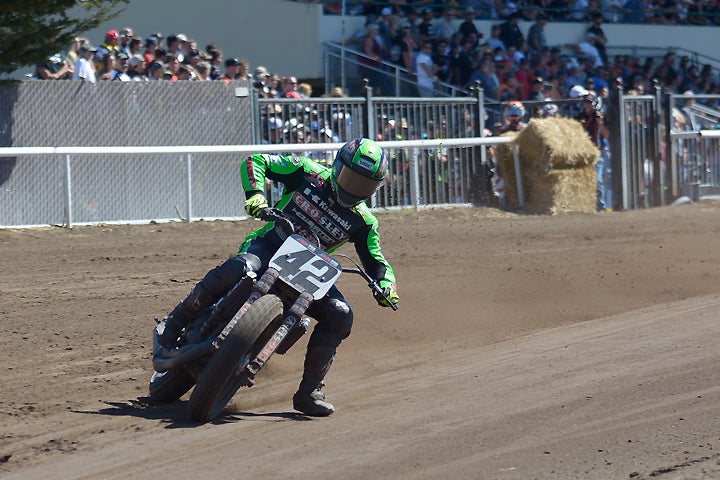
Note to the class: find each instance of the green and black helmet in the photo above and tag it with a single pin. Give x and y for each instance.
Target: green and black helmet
(359, 169)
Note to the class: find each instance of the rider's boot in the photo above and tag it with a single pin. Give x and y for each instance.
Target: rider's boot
(210, 289)
(183, 313)
(309, 399)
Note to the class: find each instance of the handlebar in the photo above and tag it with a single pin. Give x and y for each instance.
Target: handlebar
(276, 215)
(374, 286)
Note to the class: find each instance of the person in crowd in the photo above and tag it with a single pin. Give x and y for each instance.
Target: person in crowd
(596, 29)
(514, 118)
(203, 70)
(510, 32)
(120, 72)
(126, 35)
(137, 68)
(446, 24)
(107, 66)
(427, 28)
(536, 40)
(84, 67)
(443, 63)
(73, 53)
(340, 191)
(386, 27)
(185, 72)
(408, 47)
(510, 88)
(588, 49)
(172, 64)
(151, 46)
(231, 69)
(155, 70)
(304, 89)
(595, 124)
(290, 88)
(216, 59)
(243, 71)
(55, 68)
(172, 45)
(425, 70)
(494, 42)
(111, 46)
(468, 30)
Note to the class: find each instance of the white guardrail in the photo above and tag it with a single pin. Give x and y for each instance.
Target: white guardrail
(27, 187)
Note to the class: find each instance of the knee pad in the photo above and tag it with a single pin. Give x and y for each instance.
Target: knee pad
(334, 324)
(222, 278)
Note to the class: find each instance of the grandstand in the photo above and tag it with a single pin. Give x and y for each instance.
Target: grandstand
(288, 37)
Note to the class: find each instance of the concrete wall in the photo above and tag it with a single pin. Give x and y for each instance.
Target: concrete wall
(287, 37)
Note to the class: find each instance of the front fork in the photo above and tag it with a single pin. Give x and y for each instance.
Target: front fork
(280, 342)
(262, 286)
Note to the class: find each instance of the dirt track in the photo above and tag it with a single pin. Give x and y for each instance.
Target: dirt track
(567, 347)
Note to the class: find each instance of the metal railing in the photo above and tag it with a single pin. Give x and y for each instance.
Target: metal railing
(91, 185)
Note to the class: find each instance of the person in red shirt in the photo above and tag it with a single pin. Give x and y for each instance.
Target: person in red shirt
(151, 45)
(290, 88)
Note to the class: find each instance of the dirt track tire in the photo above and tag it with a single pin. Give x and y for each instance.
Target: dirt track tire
(170, 386)
(223, 375)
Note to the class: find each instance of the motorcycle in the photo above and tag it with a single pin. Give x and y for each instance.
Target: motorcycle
(226, 345)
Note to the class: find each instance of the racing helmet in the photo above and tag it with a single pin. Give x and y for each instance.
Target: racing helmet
(358, 170)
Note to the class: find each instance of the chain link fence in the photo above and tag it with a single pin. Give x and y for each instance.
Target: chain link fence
(121, 187)
(116, 185)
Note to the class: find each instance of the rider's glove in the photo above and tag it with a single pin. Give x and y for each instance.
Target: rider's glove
(255, 205)
(391, 295)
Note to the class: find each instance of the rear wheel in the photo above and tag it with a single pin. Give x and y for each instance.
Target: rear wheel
(169, 386)
(225, 372)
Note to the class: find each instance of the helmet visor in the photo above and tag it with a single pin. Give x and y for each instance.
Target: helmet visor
(354, 187)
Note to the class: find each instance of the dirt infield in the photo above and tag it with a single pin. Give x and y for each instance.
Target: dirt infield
(565, 347)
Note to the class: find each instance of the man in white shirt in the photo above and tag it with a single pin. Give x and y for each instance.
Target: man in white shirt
(425, 70)
(590, 51)
(84, 69)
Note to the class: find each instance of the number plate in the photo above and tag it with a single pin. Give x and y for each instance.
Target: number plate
(305, 267)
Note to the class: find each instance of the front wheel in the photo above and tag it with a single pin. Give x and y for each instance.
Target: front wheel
(225, 372)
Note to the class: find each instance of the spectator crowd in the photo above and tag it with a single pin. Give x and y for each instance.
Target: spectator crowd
(442, 46)
(127, 57)
(436, 43)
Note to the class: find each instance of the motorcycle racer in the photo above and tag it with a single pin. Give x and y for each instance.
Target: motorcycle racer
(327, 203)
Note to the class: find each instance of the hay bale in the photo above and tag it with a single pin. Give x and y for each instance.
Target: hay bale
(557, 161)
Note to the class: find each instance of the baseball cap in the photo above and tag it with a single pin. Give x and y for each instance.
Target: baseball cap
(112, 35)
(87, 48)
(136, 60)
(181, 37)
(155, 66)
(386, 11)
(275, 123)
(578, 91)
(232, 62)
(261, 71)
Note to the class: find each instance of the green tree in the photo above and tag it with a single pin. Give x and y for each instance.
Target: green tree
(33, 30)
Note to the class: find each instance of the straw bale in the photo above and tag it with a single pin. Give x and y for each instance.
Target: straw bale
(557, 161)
